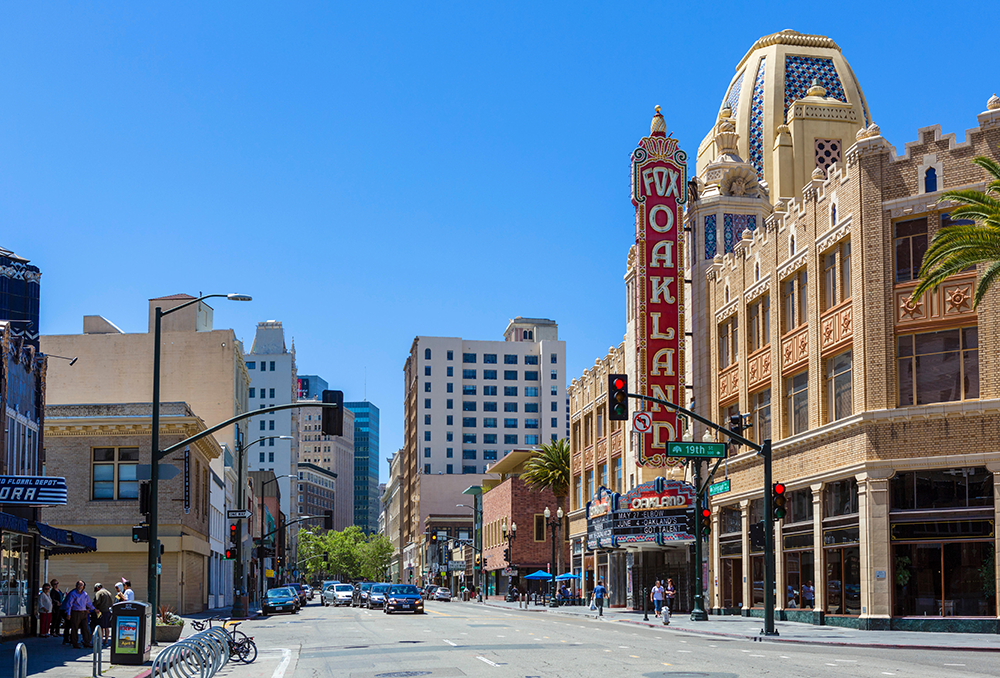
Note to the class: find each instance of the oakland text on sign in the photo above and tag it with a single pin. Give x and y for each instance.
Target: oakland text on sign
(659, 188)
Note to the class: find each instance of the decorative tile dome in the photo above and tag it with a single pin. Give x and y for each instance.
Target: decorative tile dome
(789, 78)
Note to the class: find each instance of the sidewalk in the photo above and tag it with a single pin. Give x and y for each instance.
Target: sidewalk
(749, 628)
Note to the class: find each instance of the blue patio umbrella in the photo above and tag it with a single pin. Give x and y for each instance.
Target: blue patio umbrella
(539, 574)
(567, 575)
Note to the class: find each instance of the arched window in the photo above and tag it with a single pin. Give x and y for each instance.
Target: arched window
(427, 354)
(930, 180)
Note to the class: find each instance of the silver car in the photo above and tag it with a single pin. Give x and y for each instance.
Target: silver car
(338, 594)
(376, 597)
(441, 593)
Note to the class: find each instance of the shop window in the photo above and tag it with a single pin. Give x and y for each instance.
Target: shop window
(759, 323)
(944, 579)
(910, 245)
(839, 394)
(14, 596)
(797, 402)
(936, 367)
(843, 580)
(729, 351)
(114, 473)
(794, 304)
(760, 415)
(942, 488)
(756, 512)
(730, 520)
(840, 498)
(757, 577)
(800, 592)
(800, 506)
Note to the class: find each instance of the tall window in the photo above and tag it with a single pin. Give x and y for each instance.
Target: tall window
(590, 484)
(937, 367)
(760, 411)
(836, 275)
(602, 475)
(797, 402)
(794, 293)
(114, 473)
(616, 470)
(910, 244)
(838, 387)
(759, 323)
(729, 351)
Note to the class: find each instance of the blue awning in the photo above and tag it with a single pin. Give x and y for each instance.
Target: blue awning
(9, 523)
(60, 542)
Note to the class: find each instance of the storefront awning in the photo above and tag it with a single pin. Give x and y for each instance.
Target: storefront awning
(9, 523)
(60, 542)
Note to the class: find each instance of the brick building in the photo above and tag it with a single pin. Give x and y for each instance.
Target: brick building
(509, 501)
(883, 409)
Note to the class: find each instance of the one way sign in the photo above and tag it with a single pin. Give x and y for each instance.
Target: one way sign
(237, 514)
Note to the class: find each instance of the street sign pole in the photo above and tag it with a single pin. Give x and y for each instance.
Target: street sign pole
(698, 613)
(769, 521)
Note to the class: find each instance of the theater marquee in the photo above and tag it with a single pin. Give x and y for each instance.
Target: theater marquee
(659, 188)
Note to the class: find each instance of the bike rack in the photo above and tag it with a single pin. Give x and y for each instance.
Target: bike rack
(20, 661)
(197, 656)
(97, 638)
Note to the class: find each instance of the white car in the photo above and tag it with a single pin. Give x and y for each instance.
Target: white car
(441, 593)
(338, 594)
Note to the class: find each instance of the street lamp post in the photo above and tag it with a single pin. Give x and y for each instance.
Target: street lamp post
(477, 533)
(239, 576)
(260, 551)
(153, 556)
(509, 537)
(554, 528)
(698, 613)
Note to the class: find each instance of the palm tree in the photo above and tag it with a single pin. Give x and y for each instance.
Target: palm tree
(955, 248)
(548, 469)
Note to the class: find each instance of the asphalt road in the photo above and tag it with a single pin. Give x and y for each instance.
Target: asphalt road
(465, 639)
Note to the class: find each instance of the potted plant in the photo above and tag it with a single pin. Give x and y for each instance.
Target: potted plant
(168, 625)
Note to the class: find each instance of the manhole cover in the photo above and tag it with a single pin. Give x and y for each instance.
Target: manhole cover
(402, 674)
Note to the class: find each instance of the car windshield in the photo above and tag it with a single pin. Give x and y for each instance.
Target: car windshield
(405, 590)
(380, 588)
(365, 587)
(279, 593)
(344, 587)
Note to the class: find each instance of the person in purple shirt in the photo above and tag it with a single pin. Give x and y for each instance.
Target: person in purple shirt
(78, 605)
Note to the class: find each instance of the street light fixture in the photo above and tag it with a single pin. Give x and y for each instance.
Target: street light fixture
(477, 544)
(509, 537)
(554, 528)
(153, 555)
(260, 552)
(698, 613)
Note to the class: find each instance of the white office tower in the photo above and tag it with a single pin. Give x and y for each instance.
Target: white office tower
(273, 382)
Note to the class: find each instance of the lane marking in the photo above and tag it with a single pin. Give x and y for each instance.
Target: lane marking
(450, 643)
(760, 655)
(686, 651)
(666, 663)
(634, 656)
(501, 636)
(286, 657)
(784, 656)
(954, 664)
(850, 661)
(484, 659)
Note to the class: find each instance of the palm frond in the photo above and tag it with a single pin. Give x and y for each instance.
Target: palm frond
(989, 277)
(988, 164)
(548, 468)
(969, 198)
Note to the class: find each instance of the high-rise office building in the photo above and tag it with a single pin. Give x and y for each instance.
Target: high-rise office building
(366, 498)
(310, 386)
(333, 453)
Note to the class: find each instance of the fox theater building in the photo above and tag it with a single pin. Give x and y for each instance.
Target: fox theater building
(804, 230)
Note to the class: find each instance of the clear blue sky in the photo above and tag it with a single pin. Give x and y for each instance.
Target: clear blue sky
(372, 172)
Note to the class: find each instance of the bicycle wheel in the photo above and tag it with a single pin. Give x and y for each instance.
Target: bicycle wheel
(247, 651)
(238, 637)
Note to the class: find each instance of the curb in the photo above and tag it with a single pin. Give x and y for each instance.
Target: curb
(768, 639)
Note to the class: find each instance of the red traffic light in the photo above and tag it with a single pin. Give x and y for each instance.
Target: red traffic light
(619, 383)
(779, 488)
(706, 513)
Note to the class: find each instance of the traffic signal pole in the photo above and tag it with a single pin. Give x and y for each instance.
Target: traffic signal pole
(769, 583)
(698, 613)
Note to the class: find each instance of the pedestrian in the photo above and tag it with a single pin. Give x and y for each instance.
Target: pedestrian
(599, 594)
(57, 601)
(103, 600)
(809, 594)
(120, 592)
(78, 603)
(671, 591)
(129, 593)
(44, 611)
(656, 595)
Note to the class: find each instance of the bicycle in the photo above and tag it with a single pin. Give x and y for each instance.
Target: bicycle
(241, 646)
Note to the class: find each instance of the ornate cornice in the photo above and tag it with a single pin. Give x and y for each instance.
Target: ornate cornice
(758, 288)
(797, 261)
(727, 310)
(834, 235)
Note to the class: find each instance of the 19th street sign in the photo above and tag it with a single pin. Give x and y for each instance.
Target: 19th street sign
(697, 450)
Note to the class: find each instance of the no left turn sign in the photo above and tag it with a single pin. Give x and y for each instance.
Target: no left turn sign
(642, 422)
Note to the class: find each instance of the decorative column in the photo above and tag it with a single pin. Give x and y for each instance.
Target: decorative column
(876, 556)
(994, 468)
(819, 563)
(747, 569)
(715, 566)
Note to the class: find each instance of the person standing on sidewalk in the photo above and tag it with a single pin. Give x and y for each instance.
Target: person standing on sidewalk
(44, 611)
(103, 600)
(129, 593)
(78, 603)
(57, 599)
(599, 594)
(656, 595)
(671, 591)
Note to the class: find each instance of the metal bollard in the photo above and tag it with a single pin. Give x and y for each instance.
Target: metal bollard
(97, 639)
(20, 661)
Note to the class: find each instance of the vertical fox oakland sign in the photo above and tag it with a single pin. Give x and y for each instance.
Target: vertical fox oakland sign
(659, 188)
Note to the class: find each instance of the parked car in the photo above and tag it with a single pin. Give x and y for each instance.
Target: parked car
(327, 582)
(309, 591)
(338, 594)
(376, 597)
(361, 590)
(441, 593)
(404, 598)
(282, 599)
(300, 591)
(428, 590)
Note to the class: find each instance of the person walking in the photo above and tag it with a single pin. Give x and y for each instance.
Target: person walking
(600, 592)
(671, 592)
(57, 600)
(129, 593)
(78, 603)
(103, 600)
(119, 592)
(44, 611)
(656, 595)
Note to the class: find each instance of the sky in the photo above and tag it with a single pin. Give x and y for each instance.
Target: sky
(371, 172)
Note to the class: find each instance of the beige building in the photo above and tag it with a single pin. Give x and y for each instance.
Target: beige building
(806, 239)
(393, 527)
(332, 453)
(98, 448)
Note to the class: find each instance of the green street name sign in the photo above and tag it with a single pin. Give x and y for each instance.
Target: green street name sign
(718, 488)
(700, 450)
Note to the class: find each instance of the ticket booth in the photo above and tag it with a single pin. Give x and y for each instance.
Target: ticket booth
(131, 632)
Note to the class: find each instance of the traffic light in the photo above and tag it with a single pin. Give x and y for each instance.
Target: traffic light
(706, 522)
(478, 558)
(736, 424)
(779, 500)
(233, 537)
(757, 536)
(506, 554)
(333, 417)
(689, 522)
(140, 533)
(144, 498)
(326, 558)
(434, 538)
(328, 520)
(618, 397)
(230, 554)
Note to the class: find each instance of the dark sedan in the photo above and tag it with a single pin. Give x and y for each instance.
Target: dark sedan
(361, 590)
(281, 599)
(404, 598)
(377, 596)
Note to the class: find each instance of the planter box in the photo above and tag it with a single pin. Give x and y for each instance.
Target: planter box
(168, 633)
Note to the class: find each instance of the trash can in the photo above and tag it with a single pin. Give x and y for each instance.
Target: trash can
(131, 632)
